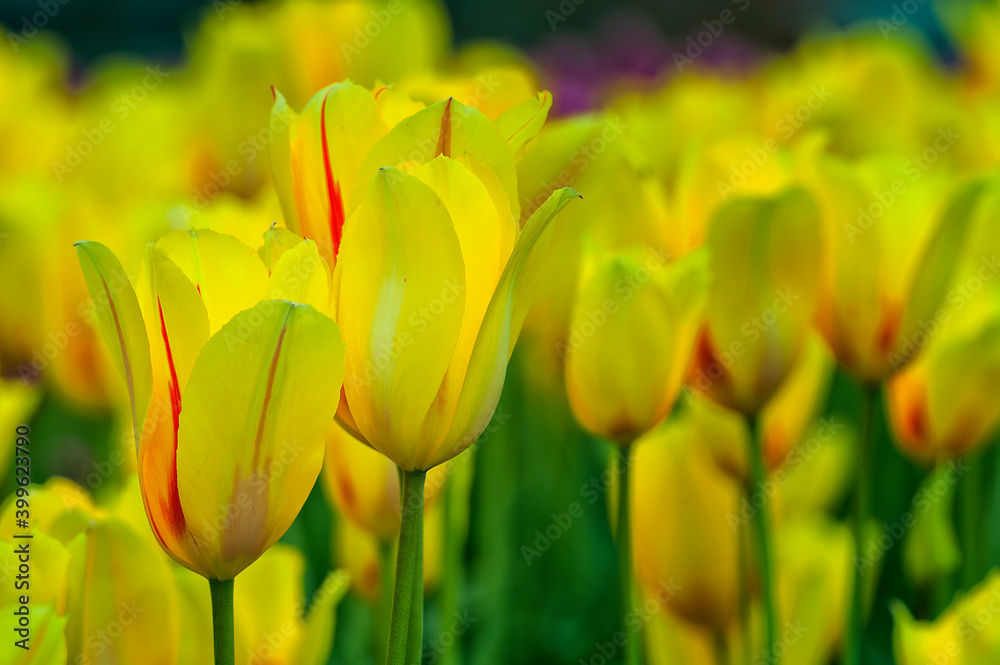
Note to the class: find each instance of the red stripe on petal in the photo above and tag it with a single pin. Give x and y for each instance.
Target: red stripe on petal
(332, 186)
(171, 507)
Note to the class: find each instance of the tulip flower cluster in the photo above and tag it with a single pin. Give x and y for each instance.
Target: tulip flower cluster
(336, 307)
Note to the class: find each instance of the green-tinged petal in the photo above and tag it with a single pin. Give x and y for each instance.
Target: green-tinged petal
(402, 311)
(257, 408)
(121, 323)
(521, 123)
(121, 605)
(277, 240)
(301, 275)
(940, 260)
(283, 124)
(499, 331)
(228, 274)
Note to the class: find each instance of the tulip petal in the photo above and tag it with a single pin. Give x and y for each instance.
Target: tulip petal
(229, 275)
(47, 643)
(121, 323)
(523, 122)
(257, 407)
(301, 275)
(116, 582)
(283, 125)
(499, 331)
(317, 637)
(403, 262)
(450, 128)
(276, 241)
(276, 576)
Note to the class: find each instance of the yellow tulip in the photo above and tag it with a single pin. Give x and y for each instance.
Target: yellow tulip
(940, 405)
(122, 605)
(682, 506)
(362, 483)
(965, 634)
(893, 237)
(784, 419)
(633, 330)
(764, 253)
(437, 268)
(47, 643)
(257, 379)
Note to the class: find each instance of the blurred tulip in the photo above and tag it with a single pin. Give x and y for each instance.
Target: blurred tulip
(362, 483)
(681, 505)
(892, 248)
(965, 634)
(47, 644)
(633, 330)
(940, 404)
(261, 390)
(783, 422)
(764, 254)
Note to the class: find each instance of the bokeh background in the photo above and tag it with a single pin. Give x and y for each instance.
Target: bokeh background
(533, 461)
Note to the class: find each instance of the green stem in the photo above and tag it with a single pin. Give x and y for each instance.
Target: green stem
(222, 621)
(862, 500)
(407, 599)
(971, 498)
(383, 610)
(763, 540)
(623, 538)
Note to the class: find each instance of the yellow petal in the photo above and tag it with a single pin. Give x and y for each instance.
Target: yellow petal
(276, 241)
(633, 330)
(301, 275)
(47, 642)
(499, 332)
(447, 128)
(362, 482)
(521, 123)
(269, 631)
(121, 323)
(229, 275)
(402, 313)
(317, 636)
(257, 407)
(117, 587)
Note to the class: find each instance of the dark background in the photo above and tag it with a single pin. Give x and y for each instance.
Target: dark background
(156, 28)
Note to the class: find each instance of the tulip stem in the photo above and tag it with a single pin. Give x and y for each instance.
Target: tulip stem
(855, 619)
(222, 621)
(763, 540)
(406, 620)
(623, 538)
